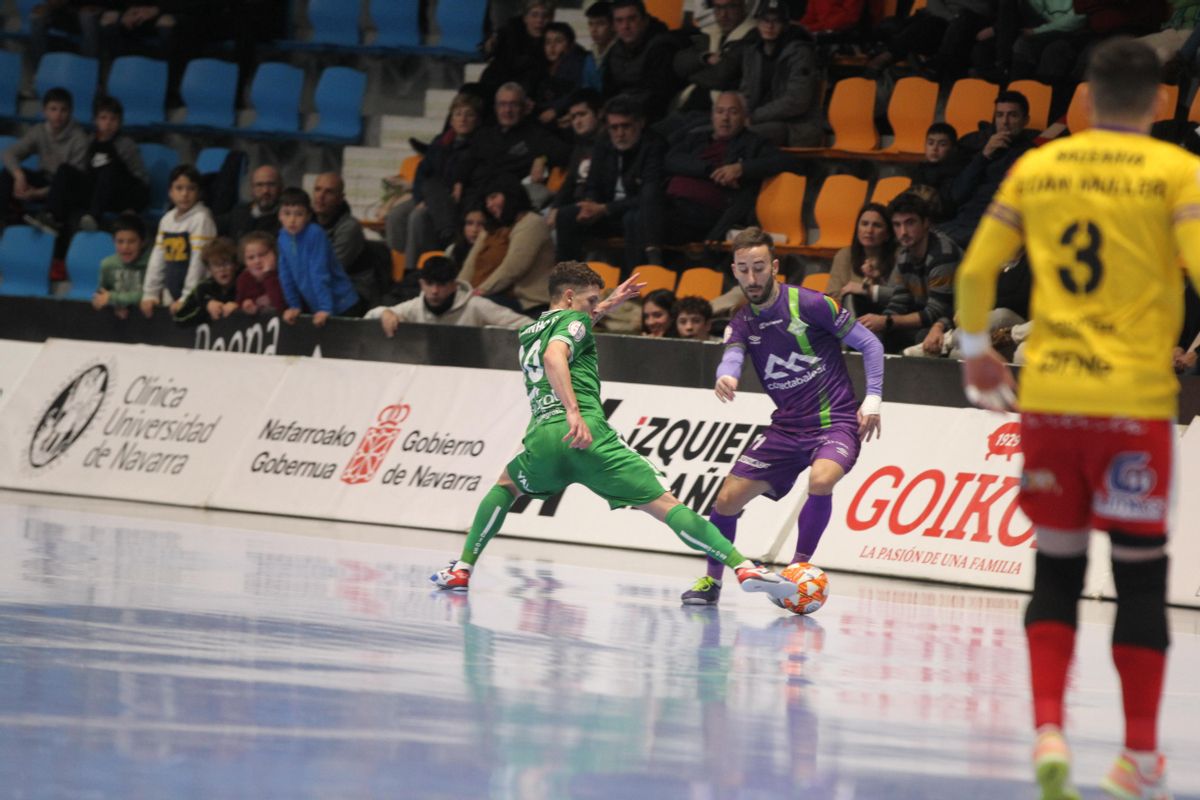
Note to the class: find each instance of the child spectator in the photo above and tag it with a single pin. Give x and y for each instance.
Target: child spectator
(313, 280)
(934, 177)
(564, 74)
(215, 296)
(258, 288)
(122, 273)
(693, 318)
(175, 263)
(657, 314)
(57, 141)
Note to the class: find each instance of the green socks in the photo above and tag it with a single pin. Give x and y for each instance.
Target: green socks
(488, 519)
(700, 534)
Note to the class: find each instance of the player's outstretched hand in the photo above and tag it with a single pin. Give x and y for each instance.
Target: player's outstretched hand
(726, 388)
(989, 383)
(628, 290)
(869, 426)
(578, 435)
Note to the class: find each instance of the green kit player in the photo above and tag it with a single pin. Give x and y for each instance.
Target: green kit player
(569, 441)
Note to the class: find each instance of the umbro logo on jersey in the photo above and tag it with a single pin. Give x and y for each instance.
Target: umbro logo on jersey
(755, 339)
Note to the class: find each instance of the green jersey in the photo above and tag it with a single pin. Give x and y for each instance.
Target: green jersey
(573, 328)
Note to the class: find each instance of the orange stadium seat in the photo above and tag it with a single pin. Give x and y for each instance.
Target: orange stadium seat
(701, 282)
(888, 189)
(971, 101)
(836, 209)
(780, 207)
(558, 176)
(1038, 95)
(1170, 102)
(610, 274)
(910, 111)
(408, 168)
(818, 281)
(655, 277)
(851, 114)
(669, 11)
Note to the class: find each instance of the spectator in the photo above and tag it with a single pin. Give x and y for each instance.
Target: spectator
(261, 213)
(831, 20)
(621, 194)
(511, 260)
(584, 114)
(427, 220)
(997, 147)
(183, 232)
(781, 81)
(312, 278)
(1038, 39)
(258, 287)
(693, 318)
(473, 224)
(713, 177)
(600, 28)
(57, 141)
(564, 73)
(332, 213)
(177, 31)
(112, 179)
(1175, 32)
(445, 300)
(921, 309)
(641, 60)
(714, 60)
(934, 177)
(517, 52)
(514, 147)
(215, 296)
(657, 310)
(943, 31)
(122, 273)
(860, 277)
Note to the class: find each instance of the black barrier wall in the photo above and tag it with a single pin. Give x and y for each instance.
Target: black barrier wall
(632, 359)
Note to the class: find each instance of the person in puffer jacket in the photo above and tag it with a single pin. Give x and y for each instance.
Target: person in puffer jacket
(313, 281)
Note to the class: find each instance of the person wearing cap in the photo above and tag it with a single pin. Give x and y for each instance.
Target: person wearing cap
(445, 300)
(781, 81)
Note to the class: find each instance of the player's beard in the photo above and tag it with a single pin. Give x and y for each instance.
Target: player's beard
(764, 293)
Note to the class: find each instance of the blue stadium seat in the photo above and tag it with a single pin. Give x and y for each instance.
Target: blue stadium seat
(461, 24)
(24, 7)
(334, 26)
(397, 22)
(159, 160)
(87, 250)
(10, 82)
(209, 90)
(210, 159)
(141, 86)
(339, 102)
(25, 254)
(276, 97)
(76, 74)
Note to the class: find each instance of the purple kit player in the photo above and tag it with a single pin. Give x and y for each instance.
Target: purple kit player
(794, 337)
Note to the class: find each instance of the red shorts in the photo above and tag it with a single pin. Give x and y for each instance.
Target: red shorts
(1108, 473)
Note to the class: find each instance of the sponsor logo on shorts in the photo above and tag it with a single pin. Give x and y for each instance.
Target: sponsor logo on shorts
(523, 480)
(1040, 481)
(1128, 482)
(753, 462)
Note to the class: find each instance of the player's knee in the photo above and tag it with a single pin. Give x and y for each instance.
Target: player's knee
(728, 502)
(1141, 603)
(1057, 584)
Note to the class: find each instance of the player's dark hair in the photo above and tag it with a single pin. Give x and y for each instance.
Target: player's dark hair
(909, 203)
(858, 253)
(188, 171)
(753, 237)
(221, 250)
(128, 221)
(105, 104)
(561, 27)
(58, 94)
(572, 275)
(944, 129)
(1123, 76)
(295, 196)
(693, 304)
(1016, 98)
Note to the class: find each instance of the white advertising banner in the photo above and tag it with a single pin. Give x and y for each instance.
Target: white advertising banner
(372, 442)
(131, 421)
(15, 359)
(1183, 586)
(695, 439)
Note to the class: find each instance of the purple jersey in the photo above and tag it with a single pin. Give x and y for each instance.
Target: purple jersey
(796, 346)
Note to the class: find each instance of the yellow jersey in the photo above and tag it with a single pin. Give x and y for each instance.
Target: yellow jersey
(1105, 217)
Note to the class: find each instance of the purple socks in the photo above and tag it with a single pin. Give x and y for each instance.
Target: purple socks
(728, 528)
(814, 518)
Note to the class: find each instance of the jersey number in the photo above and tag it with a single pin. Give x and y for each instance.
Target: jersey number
(1088, 256)
(531, 361)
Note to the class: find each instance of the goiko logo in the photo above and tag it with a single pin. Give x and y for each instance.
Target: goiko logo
(375, 444)
(795, 363)
(68, 415)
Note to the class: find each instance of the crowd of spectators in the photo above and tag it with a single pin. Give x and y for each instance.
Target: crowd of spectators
(649, 140)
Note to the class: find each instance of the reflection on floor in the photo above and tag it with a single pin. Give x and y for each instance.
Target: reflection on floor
(156, 652)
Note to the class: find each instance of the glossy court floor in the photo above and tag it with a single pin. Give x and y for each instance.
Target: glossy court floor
(153, 652)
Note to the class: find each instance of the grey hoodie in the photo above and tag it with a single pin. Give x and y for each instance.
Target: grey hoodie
(68, 147)
(467, 309)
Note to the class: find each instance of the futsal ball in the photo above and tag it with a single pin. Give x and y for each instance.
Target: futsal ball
(812, 588)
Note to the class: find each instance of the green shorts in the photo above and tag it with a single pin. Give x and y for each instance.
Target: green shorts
(609, 467)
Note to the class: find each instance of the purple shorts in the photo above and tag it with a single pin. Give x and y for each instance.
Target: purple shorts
(778, 456)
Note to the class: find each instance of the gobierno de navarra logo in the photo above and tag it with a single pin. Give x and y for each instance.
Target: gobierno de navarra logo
(375, 444)
(69, 415)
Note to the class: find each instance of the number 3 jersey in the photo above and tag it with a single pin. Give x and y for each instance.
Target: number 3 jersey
(573, 328)
(795, 344)
(1103, 214)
